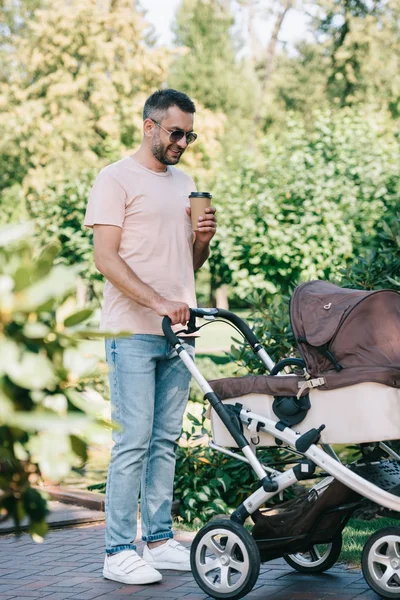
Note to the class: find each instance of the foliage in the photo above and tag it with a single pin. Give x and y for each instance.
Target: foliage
(46, 418)
(363, 46)
(308, 205)
(380, 268)
(210, 483)
(212, 368)
(271, 325)
(206, 66)
(315, 186)
(74, 83)
(356, 534)
(298, 85)
(79, 78)
(58, 209)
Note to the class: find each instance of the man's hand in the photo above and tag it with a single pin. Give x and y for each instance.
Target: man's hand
(207, 225)
(178, 312)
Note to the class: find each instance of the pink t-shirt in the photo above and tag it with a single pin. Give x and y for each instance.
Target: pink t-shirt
(156, 241)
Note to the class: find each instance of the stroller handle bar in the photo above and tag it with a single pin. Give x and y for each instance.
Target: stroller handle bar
(211, 312)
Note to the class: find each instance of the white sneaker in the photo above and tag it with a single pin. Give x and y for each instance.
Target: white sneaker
(127, 567)
(169, 555)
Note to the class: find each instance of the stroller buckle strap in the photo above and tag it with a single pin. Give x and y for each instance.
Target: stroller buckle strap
(310, 383)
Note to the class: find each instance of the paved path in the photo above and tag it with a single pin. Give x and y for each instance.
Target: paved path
(69, 563)
(60, 515)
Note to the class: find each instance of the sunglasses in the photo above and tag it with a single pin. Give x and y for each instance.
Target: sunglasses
(178, 134)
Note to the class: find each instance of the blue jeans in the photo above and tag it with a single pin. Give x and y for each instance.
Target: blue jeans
(149, 388)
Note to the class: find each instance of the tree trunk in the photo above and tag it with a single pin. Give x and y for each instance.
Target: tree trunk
(222, 297)
(270, 53)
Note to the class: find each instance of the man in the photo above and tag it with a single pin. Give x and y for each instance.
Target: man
(143, 245)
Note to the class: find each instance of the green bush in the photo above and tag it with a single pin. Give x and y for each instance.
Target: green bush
(380, 267)
(58, 211)
(310, 202)
(207, 482)
(212, 367)
(271, 325)
(46, 417)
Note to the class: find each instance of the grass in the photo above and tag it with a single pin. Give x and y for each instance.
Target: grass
(355, 536)
(216, 338)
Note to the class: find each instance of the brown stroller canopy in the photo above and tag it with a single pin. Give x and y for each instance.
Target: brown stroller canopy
(345, 337)
(352, 334)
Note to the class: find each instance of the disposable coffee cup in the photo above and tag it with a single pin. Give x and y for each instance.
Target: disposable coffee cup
(199, 201)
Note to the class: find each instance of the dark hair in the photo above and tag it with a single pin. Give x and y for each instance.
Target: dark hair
(159, 102)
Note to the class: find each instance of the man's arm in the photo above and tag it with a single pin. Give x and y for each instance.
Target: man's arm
(207, 227)
(201, 251)
(107, 239)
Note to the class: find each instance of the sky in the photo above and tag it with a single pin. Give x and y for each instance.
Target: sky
(160, 13)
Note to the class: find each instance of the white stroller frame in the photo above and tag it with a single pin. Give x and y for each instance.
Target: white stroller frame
(272, 482)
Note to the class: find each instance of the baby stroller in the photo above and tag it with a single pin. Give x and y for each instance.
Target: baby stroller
(348, 392)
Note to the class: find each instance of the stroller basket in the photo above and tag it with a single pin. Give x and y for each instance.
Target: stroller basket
(314, 518)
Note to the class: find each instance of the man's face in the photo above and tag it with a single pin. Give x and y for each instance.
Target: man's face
(165, 151)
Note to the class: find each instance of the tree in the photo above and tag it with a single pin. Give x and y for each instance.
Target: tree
(299, 83)
(309, 204)
(206, 66)
(71, 102)
(268, 61)
(363, 41)
(78, 75)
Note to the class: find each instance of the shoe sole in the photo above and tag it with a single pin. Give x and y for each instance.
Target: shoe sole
(139, 581)
(169, 565)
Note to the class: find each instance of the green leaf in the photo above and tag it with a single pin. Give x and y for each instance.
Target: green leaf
(202, 496)
(56, 284)
(100, 487)
(193, 419)
(38, 530)
(90, 402)
(78, 364)
(79, 447)
(47, 256)
(36, 331)
(78, 317)
(32, 371)
(52, 450)
(394, 281)
(191, 502)
(34, 504)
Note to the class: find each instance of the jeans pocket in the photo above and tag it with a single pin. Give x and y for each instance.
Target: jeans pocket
(189, 346)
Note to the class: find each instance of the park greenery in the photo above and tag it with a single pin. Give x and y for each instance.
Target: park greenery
(300, 147)
(47, 419)
(300, 150)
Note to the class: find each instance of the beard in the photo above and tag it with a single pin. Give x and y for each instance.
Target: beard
(161, 152)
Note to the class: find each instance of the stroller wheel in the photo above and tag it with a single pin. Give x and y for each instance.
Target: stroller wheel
(225, 559)
(381, 562)
(318, 559)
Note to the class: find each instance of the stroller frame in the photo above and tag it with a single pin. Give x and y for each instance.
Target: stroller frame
(272, 482)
